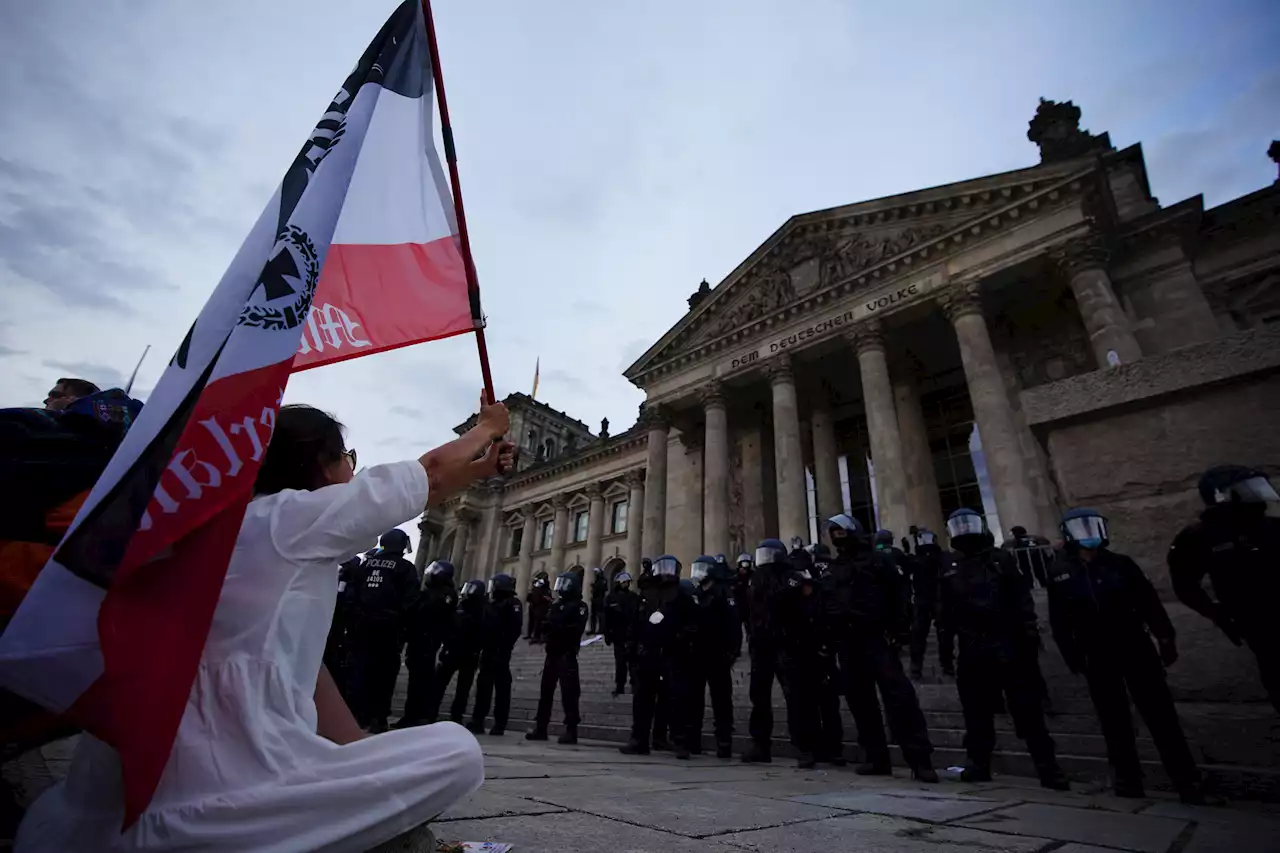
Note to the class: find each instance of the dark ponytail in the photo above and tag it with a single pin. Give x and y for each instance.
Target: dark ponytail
(304, 442)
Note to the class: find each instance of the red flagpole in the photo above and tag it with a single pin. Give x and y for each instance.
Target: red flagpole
(446, 131)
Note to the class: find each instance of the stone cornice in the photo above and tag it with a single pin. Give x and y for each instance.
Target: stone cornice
(866, 336)
(1036, 195)
(517, 398)
(630, 440)
(960, 300)
(1086, 252)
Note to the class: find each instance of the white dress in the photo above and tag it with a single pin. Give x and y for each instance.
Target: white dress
(248, 771)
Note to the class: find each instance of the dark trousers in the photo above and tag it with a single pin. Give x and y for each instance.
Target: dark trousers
(537, 617)
(831, 741)
(1264, 642)
(375, 667)
(595, 622)
(716, 676)
(764, 669)
(559, 669)
(982, 679)
(495, 675)
(464, 665)
(1115, 675)
(920, 640)
(420, 658)
(870, 663)
(621, 666)
(802, 686)
(655, 699)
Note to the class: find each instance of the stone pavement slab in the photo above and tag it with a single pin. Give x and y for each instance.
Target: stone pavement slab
(1124, 831)
(571, 791)
(575, 832)
(938, 808)
(487, 803)
(879, 834)
(700, 812)
(1105, 801)
(1220, 838)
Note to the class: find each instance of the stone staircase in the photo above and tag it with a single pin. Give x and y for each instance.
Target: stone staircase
(1081, 749)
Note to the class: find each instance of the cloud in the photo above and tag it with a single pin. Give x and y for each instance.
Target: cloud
(555, 376)
(6, 351)
(406, 411)
(587, 307)
(98, 374)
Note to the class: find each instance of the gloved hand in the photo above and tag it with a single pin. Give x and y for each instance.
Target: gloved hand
(1228, 626)
(1168, 651)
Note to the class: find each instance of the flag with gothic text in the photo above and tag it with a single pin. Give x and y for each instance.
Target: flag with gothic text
(355, 253)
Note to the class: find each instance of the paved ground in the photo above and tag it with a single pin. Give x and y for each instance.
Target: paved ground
(545, 798)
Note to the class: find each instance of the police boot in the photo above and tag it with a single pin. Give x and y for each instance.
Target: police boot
(976, 771)
(570, 736)
(874, 768)
(379, 726)
(1054, 779)
(661, 744)
(1130, 788)
(497, 731)
(806, 761)
(536, 734)
(682, 752)
(634, 747)
(925, 773)
(476, 727)
(757, 753)
(724, 749)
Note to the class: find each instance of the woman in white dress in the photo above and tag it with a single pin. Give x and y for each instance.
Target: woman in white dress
(268, 757)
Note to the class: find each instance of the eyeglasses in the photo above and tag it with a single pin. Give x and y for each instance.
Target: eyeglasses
(351, 457)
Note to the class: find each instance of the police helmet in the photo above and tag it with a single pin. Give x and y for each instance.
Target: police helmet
(440, 571)
(1228, 484)
(843, 525)
(666, 567)
(646, 566)
(622, 577)
(567, 585)
(502, 583)
(396, 540)
(597, 571)
(771, 551)
(703, 567)
(884, 538)
(798, 577)
(745, 561)
(925, 538)
(965, 522)
(688, 586)
(1085, 527)
(470, 588)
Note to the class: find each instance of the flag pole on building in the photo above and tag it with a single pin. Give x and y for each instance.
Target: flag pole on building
(536, 367)
(446, 134)
(129, 387)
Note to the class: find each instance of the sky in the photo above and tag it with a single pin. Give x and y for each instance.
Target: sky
(612, 155)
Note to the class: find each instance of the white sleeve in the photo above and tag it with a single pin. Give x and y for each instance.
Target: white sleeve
(339, 521)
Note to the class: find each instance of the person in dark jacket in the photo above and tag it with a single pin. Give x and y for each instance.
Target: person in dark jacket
(924, 584)
(503, 619)
(742, 590)
(384, 598)
(1236, 544)
(539, 602)
(599, 589)
(460, 653)
(813, 710)
(869, 619)
(566, 620)
(665, 630)
(621, 607)
(987, 603)
(772, 566)
(337, 647)
(1101, 607)
(430, 625)
(719, 643)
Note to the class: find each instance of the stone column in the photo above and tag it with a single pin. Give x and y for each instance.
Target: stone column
(826, 463)
(424, 547)
(559, 532)
(753, 511)
(793, 510)
(715, 473)
(635, 521)
(924, 506)
(524, 571)
(655, 484)
(595, 526)
(991, 409)
(462, 533)
(1084, 263)
(882, 427)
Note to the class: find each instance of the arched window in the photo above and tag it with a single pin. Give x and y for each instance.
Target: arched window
(551, 448)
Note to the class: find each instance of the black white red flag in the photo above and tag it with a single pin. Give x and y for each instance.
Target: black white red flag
(357, 252)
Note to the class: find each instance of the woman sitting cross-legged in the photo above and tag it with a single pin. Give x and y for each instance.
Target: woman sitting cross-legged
(268, 757)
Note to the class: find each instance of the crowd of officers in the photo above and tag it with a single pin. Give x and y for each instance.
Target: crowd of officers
(827, 622)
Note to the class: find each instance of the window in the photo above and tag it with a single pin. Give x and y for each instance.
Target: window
(580, 526)
(548, 533)
(551, 448)
(619, 522)
(517, 538)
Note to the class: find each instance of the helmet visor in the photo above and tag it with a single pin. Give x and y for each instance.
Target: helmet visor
(699, 571)
(436, 568)
(767, 556)
(563, 582)
(666, 567)
(926, 537)
(1087, 530)
(1251, 491)
(965, 525)
(622, 577)
(489, 587)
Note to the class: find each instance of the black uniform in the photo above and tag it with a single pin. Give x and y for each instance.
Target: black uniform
(1238, 547)
(337, 647)
(621, 608)
(987, 603)
(566, 620)
(503, 619)
(924, 582)
(599, 588)
(430, 625)
(805, 655)
(662, 650)
(384, 598)
(460, 654)
(538, 602)
(864, 593)
(742, 595)
(763, 636)
(1100, 612)
(719, 644)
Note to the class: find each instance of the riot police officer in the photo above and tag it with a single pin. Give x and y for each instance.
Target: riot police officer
(772, 566)
(831, 683)
(538, 600)
(383, 602)
(566, 620)
(665, 627)
(987, 603)
(867, 610)
(430, 624)
(503, 619)
(599, 588)
(803, 648)
(719, 643)
(742, 590)
(1101, 607)
(1237, 544)
(337, 647)
(924, 584)
(621, 607)
(460, 653)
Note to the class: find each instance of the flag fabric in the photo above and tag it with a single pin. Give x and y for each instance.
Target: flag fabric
(536, 365)
(112, 631)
